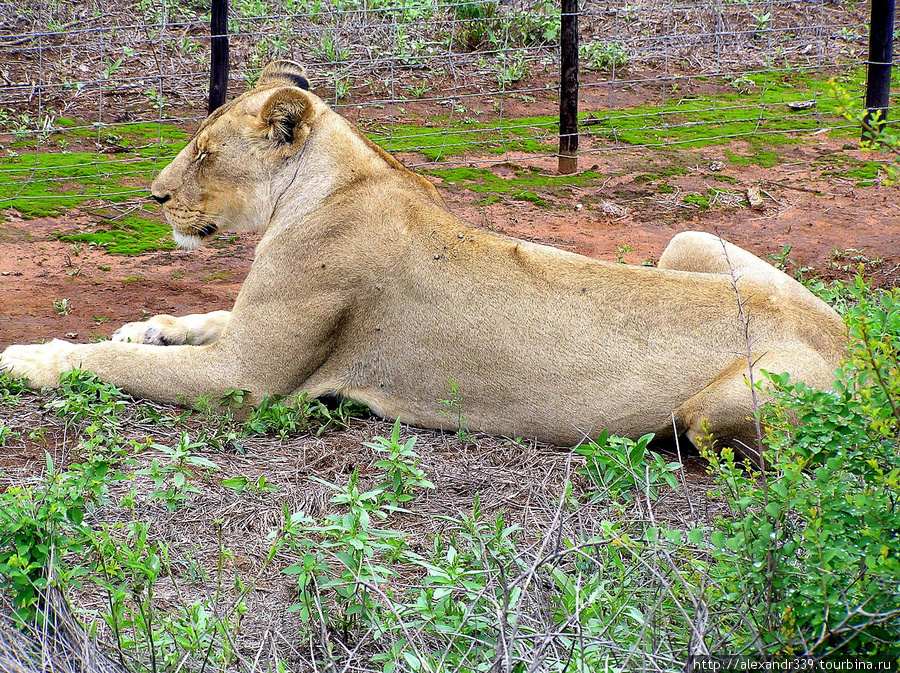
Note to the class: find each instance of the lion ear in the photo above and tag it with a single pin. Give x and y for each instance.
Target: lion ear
(285, 116)
(282, 71)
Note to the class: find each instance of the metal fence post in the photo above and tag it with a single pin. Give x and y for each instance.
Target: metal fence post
(568, 87)
(878, 83)
(218, 70)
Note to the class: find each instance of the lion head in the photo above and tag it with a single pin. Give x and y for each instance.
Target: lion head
(230, 174)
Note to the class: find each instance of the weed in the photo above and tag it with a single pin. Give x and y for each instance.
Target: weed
(451, 408)
(354, 545)
(156, 99)
(84, 396)
(511, 69)
(331, 51)
(288, 416)
(401, 467)
(41, 526)
(172, 479)
(761, 22)
(603, 56)
(11, 389)
(241, 484)
(477, 23)
(540, 26)
(420, 89)
(62, 306)
(619, 466)
(782, 261)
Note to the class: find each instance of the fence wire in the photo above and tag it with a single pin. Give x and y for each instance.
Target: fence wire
(95, 99)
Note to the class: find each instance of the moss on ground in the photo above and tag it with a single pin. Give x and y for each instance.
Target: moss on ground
(528, 134)
(129, 236)
(40, 183)
(527, 183)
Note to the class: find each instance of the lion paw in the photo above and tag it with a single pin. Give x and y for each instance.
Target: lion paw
(160, 330)
(198, 329)
(39, 364)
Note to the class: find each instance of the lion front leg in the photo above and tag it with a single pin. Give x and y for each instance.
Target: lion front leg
(39, 364)
(166, 374)
(198, 329)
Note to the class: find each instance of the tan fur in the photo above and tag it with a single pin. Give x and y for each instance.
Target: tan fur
(365, 285)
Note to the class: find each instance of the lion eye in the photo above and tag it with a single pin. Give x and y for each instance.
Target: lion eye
(201, 156)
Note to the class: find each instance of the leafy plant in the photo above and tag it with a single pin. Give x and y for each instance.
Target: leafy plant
(476, 23)
(172, 480)
(880, 136)
(603, 56)
(467, 598)
(292, 415)
(452, 409)
(510, 68)
(11, 389)
(539, 26)
(83, 396)
(240, 484)
(403, 473)
(619, 466)
(341, 557)
(41, 526)
(62, 306)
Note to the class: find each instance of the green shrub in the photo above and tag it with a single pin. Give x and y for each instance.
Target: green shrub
(84, 396)
(42, 525)
(603, 56)
(811, 560)
(11, 389)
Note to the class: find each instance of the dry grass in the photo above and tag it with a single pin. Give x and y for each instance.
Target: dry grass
(219, 542)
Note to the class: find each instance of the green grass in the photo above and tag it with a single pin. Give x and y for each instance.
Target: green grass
(761, 117)
(527, 134)
(129, 236)
(42, 183)
(702, 121)
(527, 184)
(701, 200)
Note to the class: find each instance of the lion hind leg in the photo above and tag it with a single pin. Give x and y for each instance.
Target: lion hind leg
(724, 409)
(198, 329)
(723, 412)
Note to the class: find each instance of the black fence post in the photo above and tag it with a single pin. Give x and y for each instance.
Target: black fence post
(568, 87)
(218, 70)
(878, 83)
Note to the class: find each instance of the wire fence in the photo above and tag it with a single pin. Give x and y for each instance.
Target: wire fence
(112, 92)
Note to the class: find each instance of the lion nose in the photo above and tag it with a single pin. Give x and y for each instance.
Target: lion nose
(160, 199)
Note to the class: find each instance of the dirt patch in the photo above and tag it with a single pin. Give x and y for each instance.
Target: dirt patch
(54, 289)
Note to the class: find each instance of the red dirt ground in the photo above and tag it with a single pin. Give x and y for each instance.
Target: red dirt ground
(831, 224)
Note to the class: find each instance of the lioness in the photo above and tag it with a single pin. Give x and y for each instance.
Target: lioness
(365, 286)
